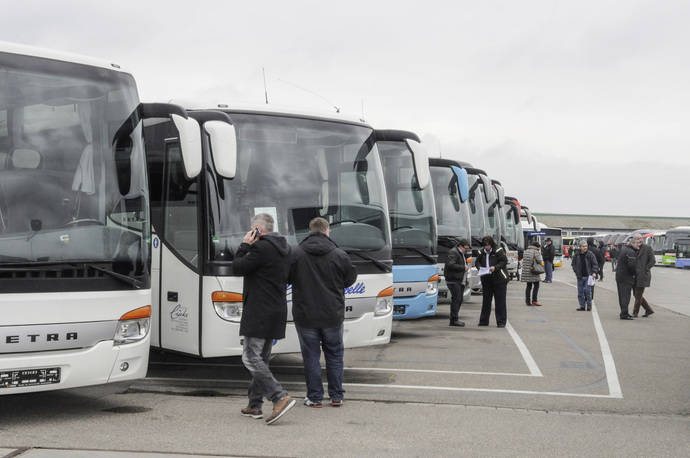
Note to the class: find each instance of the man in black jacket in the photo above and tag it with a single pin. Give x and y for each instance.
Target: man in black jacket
(455, 273)
(492, 262)
(548, 253)
(625, 278)
(319, 273)
(264, 262)
(592, 247)
(585, 266)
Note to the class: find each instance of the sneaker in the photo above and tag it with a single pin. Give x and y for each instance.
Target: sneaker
(315, 404)
(336, 402)
(252, 413)
(280, 408)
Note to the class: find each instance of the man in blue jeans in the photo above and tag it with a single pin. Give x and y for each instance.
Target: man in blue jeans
(319, 273)
(548, 253)
(585, 267)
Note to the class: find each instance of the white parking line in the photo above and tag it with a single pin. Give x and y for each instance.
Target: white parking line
(524, 351)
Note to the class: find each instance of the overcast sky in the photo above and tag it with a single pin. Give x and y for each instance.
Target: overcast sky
(577, 107)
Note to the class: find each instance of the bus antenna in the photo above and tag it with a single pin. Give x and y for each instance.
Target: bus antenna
(263, 70)
(336, 107)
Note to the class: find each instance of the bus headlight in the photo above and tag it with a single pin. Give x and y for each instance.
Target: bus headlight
(133, 326)
(432, 285)
(384, 302)
(228, 306)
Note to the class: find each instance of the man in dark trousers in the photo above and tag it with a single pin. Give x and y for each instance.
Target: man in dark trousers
(492, 262)
(455, 272)
(263, 259)
(625, 278)
(319, 273)
(548, 253)
(643, 275)
(585, 266)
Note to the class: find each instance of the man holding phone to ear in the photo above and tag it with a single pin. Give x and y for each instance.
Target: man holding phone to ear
(263, 259)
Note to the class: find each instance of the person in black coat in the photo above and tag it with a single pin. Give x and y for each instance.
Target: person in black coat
(585, 266)
(548, 253)
(593, 248)
(264, 262)
(625, 278)
(319, 274)
(643, 275)
(455, 273)
(494, 283)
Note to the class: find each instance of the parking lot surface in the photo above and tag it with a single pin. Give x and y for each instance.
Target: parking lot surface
(553, 382)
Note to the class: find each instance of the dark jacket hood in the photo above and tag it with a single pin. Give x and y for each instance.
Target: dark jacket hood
(318, 244)
(277, 241)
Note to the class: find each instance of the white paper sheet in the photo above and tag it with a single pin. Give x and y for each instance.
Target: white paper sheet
(484, 271)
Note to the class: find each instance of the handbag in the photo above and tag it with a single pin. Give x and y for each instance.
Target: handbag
(537, 268)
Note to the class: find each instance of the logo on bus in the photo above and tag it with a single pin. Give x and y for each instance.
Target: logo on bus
(179, 312)
(155, 242)
(357, 288)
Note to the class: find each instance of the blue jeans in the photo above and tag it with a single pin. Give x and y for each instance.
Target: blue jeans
(255, 355)
(584, 292)
(331, 340)
(548, 267)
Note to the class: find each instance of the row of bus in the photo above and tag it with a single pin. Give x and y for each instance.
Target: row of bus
(671, 247)
(119, 220)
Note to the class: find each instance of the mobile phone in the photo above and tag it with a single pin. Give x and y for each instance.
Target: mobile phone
(257, 233)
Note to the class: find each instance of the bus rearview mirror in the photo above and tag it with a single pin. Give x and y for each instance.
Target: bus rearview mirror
(223, 139)
(420, 159)
(190, 144)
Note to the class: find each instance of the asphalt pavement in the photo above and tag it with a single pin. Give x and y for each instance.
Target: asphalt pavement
(554, 382)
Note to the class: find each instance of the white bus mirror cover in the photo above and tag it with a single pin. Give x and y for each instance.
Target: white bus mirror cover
(190, 144)
(421, 163)
(224, 147)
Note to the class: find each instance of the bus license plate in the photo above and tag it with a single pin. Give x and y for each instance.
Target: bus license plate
(29, 377)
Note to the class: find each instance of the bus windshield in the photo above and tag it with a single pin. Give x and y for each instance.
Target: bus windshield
(73, 182)
(412, 212)
(296, 169)
(452, 215)
(513, 229)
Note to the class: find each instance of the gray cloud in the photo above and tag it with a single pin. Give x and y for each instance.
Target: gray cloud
(593, 84)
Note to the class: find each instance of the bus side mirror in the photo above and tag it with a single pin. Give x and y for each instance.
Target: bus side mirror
(190, 144)
(420, 160)
(223, 138)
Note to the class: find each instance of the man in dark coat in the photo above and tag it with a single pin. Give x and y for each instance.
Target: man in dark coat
(263, 260)
(494, 281)
(592, 247)
(643, 275)
(585, 266)
(548, 253)
(319, 274)
(625, 278)
(455, 273)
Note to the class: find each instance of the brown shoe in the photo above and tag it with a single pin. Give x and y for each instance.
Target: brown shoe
(280, 408)
(253, 413)
(536, 303)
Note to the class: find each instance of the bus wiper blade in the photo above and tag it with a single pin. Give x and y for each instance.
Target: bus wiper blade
(448, 241)
(429, 258)
(376, 262)
(138, 284)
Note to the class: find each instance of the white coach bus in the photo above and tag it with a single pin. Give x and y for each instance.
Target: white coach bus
(291, 165)
(74, 221)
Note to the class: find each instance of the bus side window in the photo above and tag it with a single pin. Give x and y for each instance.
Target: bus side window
(180, 199)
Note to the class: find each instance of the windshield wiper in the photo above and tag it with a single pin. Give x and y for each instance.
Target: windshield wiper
(376, 262)
(13, 266)
(429, 258)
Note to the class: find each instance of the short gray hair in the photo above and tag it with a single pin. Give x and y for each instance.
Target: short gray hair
(638, 237)
(264, 221)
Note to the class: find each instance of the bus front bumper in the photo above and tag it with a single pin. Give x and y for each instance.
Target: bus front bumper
(405, 308)
(102, 363)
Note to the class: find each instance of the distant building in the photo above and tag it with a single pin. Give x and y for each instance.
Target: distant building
(598, 224)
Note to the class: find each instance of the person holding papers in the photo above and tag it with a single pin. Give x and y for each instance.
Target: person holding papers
(492, 262)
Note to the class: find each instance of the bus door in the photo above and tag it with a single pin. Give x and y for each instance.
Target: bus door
(176, 249)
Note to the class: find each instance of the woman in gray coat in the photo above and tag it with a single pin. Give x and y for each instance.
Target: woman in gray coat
(531, 272)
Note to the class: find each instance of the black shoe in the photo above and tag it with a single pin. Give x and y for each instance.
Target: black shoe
(581, 309)
(483, 324)
(502, 325)
(626, 317)
(589, 308)
(648, 313)
(457, 323)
